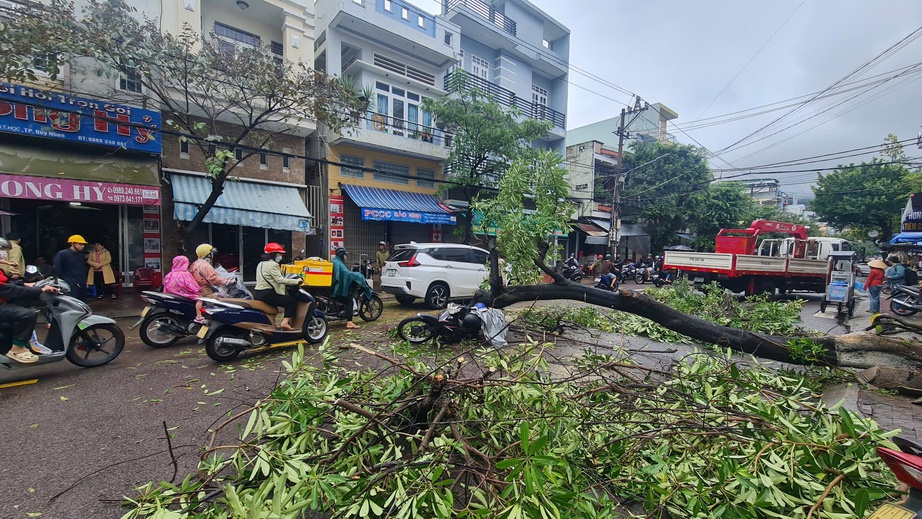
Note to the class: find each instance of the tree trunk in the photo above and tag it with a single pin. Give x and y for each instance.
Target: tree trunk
(217, 188)
(855, 350)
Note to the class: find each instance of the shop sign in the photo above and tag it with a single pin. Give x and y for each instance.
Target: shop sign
(407, 216)
(38, 113)
(41, 188)
(912, 215)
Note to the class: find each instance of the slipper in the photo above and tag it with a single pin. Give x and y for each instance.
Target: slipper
(24, 357)
(351, 326)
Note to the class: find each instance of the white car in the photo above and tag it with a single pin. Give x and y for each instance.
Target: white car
(435, 272)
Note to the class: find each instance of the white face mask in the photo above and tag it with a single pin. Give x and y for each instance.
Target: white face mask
(278, 259)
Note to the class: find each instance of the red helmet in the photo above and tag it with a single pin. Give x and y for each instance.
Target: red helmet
(600, 256)
(273, 247)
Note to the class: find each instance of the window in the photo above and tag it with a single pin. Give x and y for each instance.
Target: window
(539, 102)
(183, 148)
(405, 13)
(352, 161)
(388, 7)
(238, 154)
(448, 37)
(479, 257)
(382, 86)
(480, 68)
(425, 178)
(263, 160)
(547, 45)
(246, 38)
(129, 80)
(394, 173)
(43, 64)
(421, 22)
(286, 159)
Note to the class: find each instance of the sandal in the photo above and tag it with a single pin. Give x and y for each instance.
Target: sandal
(351, 325)
(24, 357)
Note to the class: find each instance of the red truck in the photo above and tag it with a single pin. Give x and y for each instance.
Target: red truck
(746, 261)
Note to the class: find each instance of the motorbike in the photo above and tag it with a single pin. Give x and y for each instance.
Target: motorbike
(605, 283)
(236, 325)
(166, 319)
(573, 273)
(368, 308)
(455, 323)
(906, 464)
(660, 278)
(627, 272)
(76, 334)
(905, 300)
(642, 274)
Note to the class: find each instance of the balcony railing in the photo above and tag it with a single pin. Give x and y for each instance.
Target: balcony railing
(488, 13)
(402, 128)
(461, 80)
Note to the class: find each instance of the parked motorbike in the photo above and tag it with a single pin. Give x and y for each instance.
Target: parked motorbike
(456, 322)
(236, 325)
(76, 334)
(166, 319)
(368, 308)
(905, 300)
(906, 464)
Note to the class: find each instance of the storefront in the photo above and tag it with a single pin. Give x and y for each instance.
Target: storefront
(72, 165)
(247, 215)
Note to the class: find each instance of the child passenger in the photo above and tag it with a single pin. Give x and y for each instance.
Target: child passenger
(181, 283)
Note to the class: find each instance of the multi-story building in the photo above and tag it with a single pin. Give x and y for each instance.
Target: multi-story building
(384, 174)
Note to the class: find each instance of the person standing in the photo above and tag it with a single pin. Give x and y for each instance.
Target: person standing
(874, 283)
(70, 265)
(381, 256)
(100, 274)
(16, 266)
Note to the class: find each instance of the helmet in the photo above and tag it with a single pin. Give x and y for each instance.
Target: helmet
(599, 257)
(5, 244)
(204, 250)
(273, 247)
(608, 256)
(76, 238)
(341, 251)
(382, 243)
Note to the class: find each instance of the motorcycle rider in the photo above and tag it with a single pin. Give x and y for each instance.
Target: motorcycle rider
(572, 262)
(179, 281)
(22, 319)
(896, 273)
(342, 285)
(70, 265)
(272, 286)
(205, 274)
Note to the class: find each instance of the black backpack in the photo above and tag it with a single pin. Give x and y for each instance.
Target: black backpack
(912, 277)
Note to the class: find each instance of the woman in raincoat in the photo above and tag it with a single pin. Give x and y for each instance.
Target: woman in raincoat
(100, 273)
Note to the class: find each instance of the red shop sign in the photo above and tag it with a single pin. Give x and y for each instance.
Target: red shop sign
(41, 188)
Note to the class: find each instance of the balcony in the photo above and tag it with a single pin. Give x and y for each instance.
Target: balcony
(486, 12)
(460, 80)
(374, 130)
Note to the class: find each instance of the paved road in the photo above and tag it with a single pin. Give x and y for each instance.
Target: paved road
(79, 439)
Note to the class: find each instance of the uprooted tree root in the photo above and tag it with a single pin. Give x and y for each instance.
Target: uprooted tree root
(510, 434)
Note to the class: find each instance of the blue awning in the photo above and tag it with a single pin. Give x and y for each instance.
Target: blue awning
(907, 238)
(250, 204)
(398, 206)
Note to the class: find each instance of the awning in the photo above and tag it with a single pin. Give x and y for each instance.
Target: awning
(590, 229)
(67, 162)
(907, 238)
(398, 206)
(250, 204)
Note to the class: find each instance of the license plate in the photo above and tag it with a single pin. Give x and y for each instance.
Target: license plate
(145, 311)
(699, 280)
(889, 511)
(391, 273)
(202, 332)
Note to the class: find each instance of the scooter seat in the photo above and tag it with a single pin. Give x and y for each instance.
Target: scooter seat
(254, 304)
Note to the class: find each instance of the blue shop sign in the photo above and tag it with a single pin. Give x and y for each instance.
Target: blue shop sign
(407, 216)
(39, 113)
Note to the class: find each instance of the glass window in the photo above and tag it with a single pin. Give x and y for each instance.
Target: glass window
(398, 91)
(399, 115)
(413, 97)
(405, 13)
(425, 178)
(447, 38)
(382, 86)
(286, 159)
(455, 254)
(184, 146)
(402, 255)
(238, 153)
(421, 22)
(394, 173)
(353, 161)
(388, 6)
(263, 160)
(479, 257)
(480, 68)
(236, 34)
(129, 80)
(412, 118)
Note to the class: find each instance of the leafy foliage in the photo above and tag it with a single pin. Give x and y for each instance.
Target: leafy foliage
(487, 138)
(506, 440)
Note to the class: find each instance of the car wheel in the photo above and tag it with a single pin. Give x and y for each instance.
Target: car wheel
(437, 296)
(405, 300)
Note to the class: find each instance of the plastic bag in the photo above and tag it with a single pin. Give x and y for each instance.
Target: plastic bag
(234, 289)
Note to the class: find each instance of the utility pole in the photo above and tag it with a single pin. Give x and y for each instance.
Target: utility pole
(614, 236)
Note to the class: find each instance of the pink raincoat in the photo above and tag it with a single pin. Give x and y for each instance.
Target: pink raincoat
(180, 281)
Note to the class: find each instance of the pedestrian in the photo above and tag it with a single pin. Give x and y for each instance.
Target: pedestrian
(100, 273)
(15, 268)
(70, 266)
(381, 256)
(895, 273)
(874, 283)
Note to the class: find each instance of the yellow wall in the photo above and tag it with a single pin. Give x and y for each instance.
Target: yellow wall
(369, 181)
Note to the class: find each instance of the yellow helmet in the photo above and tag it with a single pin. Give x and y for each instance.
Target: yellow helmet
(76, 238)
(204, 250)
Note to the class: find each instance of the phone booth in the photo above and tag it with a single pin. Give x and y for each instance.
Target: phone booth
(840, 282)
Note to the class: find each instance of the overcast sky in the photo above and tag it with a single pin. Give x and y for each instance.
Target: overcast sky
(684, 53)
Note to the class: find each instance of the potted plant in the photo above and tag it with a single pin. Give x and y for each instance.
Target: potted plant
(367, 97)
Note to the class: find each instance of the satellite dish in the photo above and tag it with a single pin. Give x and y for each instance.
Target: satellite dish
(873, 234)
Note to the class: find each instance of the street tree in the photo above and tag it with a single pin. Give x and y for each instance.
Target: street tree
(665, 186)
(726, 206)
(867, 196)
(218, 97)
(486, 138)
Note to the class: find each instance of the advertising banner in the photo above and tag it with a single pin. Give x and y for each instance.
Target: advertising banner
(407, 216)
(64, 190)
(51, 115)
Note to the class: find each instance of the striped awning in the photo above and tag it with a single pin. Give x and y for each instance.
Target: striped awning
(398, 206)
(590, 229)
(250, 204)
